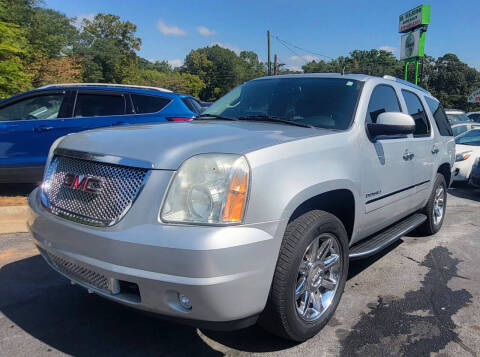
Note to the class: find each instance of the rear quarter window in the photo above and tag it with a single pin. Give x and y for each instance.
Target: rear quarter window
(145, 104)
(440, 117)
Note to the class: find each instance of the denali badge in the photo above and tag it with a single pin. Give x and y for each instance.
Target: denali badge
(82, 183)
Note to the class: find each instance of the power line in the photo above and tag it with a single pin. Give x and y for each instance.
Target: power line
(287, 47)
(300, 48)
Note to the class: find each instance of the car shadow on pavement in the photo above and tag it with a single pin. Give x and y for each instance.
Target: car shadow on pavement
(465, 191)
(42, 303)
(16, 189)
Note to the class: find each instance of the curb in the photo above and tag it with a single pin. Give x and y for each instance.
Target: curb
(13, 219)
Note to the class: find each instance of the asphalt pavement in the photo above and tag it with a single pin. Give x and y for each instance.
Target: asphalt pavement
(419, 297)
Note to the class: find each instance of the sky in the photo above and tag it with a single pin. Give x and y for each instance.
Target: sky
(170, 29)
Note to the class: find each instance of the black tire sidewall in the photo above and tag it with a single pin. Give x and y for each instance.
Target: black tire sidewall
(434, 228)
(301, 329)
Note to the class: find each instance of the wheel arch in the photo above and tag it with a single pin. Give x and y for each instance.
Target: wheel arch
(340, 201)
(445, 170)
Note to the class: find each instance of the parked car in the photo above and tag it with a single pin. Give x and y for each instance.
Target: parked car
(475, 175)
(461, 127)
(253, 210)
(30, 122)
(457, 116)
(475, 116)
(467, 154)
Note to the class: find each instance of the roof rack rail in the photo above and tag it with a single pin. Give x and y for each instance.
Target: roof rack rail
(104, 85)
(407, 83)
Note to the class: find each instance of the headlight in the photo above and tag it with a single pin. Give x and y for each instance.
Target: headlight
(209, 189)
(50, 154)
(462, 156)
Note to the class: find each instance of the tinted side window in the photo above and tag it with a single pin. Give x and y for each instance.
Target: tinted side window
(383, 99)
(148, 103)
(475, 117)
(40, 107)
(457, 130)
(415, 109)
(95, 105)
(440, 117)
(192, 105)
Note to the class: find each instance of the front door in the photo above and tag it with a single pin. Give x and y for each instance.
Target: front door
(387, 172)
(28, 127)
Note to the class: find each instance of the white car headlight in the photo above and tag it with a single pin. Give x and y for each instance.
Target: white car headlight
(463, 156)
(208, 189)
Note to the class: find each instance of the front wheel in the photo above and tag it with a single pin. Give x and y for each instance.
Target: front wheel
(436, 207)
(309, 278)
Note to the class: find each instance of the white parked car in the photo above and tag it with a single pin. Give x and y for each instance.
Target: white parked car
(467, 153)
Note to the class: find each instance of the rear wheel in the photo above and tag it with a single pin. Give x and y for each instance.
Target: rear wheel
(436, 207)
(309, 278)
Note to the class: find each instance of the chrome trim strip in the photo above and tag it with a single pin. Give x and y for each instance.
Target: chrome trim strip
(108, 159)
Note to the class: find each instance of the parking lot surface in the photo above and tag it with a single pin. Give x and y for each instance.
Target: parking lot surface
(420, 297)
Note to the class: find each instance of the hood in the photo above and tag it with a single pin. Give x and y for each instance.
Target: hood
(166, 146)
(459, 148)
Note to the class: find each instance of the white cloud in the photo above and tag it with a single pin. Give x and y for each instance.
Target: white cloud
(79, 19)
(388, 49)
(177, 62)
(294, 68)
(170, 30)
(304, 58)
(204, 31)
(229, 46)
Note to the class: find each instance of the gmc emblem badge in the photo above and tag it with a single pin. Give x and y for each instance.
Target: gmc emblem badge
(82, 183)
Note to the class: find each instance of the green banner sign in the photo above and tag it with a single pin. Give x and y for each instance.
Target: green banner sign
(410, 20)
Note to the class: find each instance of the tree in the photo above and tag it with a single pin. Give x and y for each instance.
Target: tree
(56, 70)
(13, 49)
(178, 82)
(107, 46)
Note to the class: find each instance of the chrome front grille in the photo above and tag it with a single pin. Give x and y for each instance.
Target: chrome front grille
(81, 274)
(116, 188)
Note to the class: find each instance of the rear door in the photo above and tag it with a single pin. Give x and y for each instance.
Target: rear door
(28, 127)
(97, 108)
(421, 145)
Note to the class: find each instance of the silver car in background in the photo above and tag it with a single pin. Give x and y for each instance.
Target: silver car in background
(253, 211)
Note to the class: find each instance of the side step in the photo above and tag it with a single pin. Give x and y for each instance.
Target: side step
(376, 243)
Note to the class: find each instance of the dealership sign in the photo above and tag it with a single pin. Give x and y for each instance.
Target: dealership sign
(413, 45)
(420, 16)
(474, 97)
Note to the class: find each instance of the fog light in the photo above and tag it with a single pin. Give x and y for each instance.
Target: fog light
(185, 301)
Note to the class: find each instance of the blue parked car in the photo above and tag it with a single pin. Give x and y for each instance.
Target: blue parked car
(30, 122)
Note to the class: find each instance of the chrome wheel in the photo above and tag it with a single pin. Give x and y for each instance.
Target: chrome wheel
(438, 205)
(318, 276)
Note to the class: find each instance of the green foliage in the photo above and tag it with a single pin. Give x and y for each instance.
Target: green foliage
(221, 69)
(179, 82)
(13, 49)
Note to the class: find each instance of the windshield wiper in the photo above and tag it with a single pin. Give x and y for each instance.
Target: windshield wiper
(263, 117)
(214, 116)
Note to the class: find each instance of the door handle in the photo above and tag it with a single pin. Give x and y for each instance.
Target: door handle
(411, 156)
(406, 156)
(435, 150)
(41, 128)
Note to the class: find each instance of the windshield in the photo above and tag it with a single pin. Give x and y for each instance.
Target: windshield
(453, 118)
(320, 102)
(471, 137)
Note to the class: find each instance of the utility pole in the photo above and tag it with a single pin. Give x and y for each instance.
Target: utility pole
(275, 65)
(269, 70)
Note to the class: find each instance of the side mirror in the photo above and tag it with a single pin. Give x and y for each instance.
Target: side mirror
(391, 123)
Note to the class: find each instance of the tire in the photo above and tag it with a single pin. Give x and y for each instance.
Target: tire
(432, 225)
(285, 314)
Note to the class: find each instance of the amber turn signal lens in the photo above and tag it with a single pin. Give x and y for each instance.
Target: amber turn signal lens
(237, 194)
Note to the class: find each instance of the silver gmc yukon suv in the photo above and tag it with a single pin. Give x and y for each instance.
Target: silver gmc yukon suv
(252, 211)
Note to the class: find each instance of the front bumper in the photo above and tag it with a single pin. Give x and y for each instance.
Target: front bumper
(225, 271)
(462, 170)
